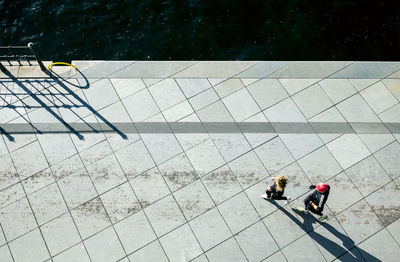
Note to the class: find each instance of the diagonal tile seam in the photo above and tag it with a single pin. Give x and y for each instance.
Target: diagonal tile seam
(97, 192)
(31, 209)
(7, 243)
(130, 185)
(247, 197)
(62, 195)
(201, 181)
(276, 210)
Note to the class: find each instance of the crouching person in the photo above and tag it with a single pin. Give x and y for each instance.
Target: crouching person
(315, 200)
(276, 190)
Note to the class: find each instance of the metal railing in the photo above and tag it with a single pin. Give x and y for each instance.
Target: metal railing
(20, 54)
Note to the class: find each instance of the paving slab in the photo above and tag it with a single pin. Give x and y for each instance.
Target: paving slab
(60, 234)
(181, 244)
(256, 242)
(76, 253)
(29, 247)
(226, 251)
(151, 252)
(210, 229)
(104, 246)
(337, 89)
(135, 232)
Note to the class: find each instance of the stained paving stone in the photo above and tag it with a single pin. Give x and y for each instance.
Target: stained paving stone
(79, 181)
(193, 200)
(151, 252)
(149, 186)
(67, 167)
(234, 168)
(11, 194)
(135, 232)
(134, 159)
(210, 229)
(90, 218)
(9, 174)
(47, 203)
(120, 202)
(60, 234)
(384, 203)
(178, 172)
(17, 219)
(165, 215)
(106, 174)
(221, 184)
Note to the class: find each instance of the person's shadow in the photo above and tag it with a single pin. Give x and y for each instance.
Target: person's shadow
(353, 253)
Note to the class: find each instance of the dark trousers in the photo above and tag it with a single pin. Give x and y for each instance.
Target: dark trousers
(308, 206)
(274, 195)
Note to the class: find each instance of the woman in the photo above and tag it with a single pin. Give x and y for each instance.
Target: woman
(277, 189)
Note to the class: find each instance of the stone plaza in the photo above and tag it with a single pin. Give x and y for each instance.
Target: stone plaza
(166, 161)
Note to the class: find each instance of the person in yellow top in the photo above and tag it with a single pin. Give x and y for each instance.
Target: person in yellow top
(277, 189)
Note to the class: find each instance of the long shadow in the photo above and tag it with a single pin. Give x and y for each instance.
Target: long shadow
(336, 250)
(57, 80)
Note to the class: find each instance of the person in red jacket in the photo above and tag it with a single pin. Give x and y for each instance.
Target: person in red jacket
(315, 200)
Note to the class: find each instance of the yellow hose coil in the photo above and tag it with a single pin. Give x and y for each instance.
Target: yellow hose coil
(60, 63)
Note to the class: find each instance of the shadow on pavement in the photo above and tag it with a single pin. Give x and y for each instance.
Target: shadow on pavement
(59, 84)
(347, 253)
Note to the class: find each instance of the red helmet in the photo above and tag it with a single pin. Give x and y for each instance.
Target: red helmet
(322, 187)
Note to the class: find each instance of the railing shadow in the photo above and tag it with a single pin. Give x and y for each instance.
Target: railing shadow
(336, 250)
(63, 89)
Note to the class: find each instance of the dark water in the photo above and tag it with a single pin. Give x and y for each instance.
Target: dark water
(205, 29)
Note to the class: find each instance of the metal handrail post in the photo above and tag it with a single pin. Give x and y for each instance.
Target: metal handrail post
(30, 45)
